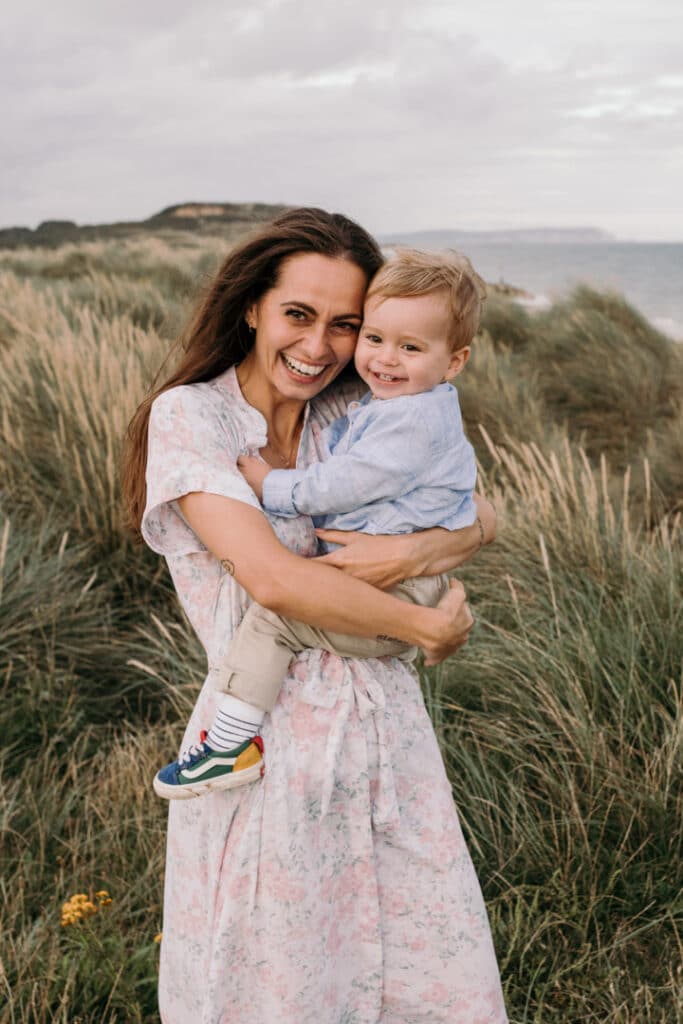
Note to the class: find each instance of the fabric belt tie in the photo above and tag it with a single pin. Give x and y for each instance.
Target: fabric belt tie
(363, 692)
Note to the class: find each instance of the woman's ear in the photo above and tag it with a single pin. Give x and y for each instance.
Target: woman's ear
(458, 360)
(250, 317)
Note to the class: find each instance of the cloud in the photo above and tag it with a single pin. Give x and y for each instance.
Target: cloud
(405, 117)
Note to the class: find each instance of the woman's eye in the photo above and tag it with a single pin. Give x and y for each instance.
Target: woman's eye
(296, 314)
(345, 325)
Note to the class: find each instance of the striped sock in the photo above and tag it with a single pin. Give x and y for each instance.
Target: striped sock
(235, 722)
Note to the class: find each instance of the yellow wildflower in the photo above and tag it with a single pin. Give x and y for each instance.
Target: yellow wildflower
(157, 937)
(79, 906)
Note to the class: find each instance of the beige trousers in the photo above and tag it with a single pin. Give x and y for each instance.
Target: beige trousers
(265, 643)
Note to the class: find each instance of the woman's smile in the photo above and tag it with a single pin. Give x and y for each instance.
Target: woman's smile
(298, 368)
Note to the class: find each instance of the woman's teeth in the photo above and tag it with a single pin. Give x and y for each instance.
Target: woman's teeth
(303, 369)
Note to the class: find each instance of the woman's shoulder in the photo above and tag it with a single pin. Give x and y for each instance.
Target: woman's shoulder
(188, 411)
(200, 399)
(212, 405)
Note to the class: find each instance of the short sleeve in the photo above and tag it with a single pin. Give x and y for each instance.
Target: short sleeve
(193, 444)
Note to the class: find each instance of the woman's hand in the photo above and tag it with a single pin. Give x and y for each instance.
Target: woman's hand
(385, 561)
(454, 628)
(254, 472)
(382, 561)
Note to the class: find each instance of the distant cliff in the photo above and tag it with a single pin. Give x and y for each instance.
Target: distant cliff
(229, 220)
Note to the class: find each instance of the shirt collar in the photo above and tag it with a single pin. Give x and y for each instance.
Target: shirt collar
(368, 396)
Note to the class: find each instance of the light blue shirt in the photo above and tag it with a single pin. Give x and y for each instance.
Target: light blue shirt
(392, 465)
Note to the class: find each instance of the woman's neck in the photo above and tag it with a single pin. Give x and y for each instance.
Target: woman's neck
(282, 415)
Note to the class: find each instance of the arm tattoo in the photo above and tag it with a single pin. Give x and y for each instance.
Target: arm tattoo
(228, 566)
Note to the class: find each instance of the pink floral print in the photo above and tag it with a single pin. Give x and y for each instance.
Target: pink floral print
(338, 889)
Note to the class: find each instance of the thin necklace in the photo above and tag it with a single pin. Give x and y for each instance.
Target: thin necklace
(288, 460)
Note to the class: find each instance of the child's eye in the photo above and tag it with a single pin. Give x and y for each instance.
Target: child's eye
(411, 348)
(374, 338)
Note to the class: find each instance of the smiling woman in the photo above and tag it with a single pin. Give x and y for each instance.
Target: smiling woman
(338, 886)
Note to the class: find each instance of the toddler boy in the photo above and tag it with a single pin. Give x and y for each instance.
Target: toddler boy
(398, 461)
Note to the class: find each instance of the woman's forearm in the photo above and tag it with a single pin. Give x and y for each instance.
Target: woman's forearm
(387, 560)
(331, 600)
(436, 551)
(300, 588)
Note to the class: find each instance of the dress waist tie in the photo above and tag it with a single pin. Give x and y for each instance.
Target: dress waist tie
(364, 693)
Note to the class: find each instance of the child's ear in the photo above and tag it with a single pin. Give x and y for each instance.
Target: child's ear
(457, 363)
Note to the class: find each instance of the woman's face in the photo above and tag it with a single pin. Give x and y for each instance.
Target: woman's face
(307, 325)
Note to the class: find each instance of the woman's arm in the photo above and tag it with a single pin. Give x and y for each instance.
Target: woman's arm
(385, 561)
(305, 589)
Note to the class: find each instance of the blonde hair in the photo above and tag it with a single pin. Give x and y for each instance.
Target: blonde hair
(412, 272)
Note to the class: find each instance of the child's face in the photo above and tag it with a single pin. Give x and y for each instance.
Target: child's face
(403, 346)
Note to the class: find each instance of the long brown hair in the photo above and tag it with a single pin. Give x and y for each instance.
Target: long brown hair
(217, 336)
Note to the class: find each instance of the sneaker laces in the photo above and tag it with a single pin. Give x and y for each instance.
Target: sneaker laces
(192, 753)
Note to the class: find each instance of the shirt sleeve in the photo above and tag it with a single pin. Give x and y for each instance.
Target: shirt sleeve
(378, 467)
(193, 444)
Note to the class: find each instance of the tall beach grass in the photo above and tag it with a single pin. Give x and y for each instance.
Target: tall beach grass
(560, 722)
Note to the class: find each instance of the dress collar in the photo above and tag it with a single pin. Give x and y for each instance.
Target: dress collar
(228, 382)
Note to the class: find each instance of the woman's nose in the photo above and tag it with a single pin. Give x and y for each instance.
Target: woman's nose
(316, 342)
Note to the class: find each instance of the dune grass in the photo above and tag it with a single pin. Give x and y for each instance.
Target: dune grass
(560, 723)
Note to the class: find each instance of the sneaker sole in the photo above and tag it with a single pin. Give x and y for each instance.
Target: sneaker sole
(189, 790)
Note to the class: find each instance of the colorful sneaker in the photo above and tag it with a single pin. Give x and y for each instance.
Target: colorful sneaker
(201, 769)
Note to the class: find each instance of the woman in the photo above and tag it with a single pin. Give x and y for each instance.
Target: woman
(337, 889)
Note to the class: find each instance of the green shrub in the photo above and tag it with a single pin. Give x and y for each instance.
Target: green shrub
(605, 373)
(499, 394)
(508, 323)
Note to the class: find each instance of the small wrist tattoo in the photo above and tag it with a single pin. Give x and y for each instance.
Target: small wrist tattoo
(228, 566)
(389, 639)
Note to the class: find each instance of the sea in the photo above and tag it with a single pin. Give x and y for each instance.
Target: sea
(648, 274)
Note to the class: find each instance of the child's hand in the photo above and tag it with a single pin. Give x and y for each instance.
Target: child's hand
(254, 472)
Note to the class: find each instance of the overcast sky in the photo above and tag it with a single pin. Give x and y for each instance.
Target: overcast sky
(477, 114)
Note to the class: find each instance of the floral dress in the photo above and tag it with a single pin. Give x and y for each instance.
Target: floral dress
(337, 889)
